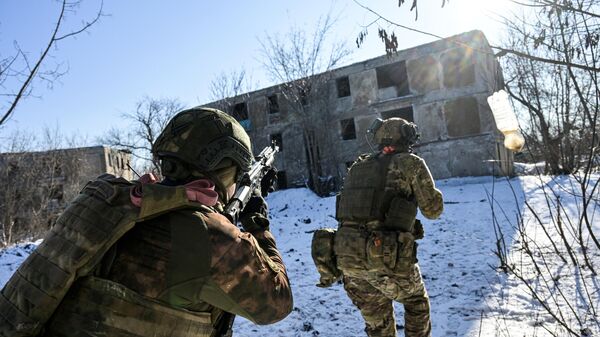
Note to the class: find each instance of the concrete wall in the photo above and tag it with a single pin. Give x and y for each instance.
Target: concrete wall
(80, 165)
(445, 83)
(56, 177)
(97, 160)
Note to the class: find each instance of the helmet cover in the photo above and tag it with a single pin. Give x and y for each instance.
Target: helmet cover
(203, 138)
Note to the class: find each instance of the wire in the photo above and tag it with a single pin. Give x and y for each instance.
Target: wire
(369, 141)
(420, 31)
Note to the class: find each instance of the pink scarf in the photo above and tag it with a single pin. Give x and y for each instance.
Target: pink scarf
(201, 191)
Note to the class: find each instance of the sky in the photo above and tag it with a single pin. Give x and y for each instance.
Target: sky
(174, 49)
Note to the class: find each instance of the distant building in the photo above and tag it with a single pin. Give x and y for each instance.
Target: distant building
(442, 86)
(37, 186)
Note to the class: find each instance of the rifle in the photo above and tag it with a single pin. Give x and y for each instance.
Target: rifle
(251, 180)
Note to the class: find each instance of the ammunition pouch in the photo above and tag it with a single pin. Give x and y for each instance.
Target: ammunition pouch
(382, 248)
(324, 256)
(350, 248)
(363, 250)
(394, 251)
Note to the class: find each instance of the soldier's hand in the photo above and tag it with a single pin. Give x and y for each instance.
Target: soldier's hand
(267, 182)
(254, 216)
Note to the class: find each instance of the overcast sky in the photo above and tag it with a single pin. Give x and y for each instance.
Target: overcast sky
(175, 48)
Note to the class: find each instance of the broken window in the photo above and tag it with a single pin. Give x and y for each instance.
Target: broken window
(13, 167)
(462, 117)
(348, 129)
(393, 75)
(281, 180)
(303, 98)
(406, 113)
(58, 170)
(240, 111)
(304, 95)
(278, 140)
(273, 104)
(343, 86)
(459, 69)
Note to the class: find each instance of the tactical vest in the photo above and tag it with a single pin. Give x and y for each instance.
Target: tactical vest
(56, 279)
(102, 307)
(376, 225)
(364, 197)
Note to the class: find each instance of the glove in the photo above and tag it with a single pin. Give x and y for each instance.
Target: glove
(418, 231)
(267, 182)
(254, 216)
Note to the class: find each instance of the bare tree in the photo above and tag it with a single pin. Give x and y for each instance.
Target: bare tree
(37, 177)
(302, 62)
(226, 88)
(19, 72)
(551, 68)
(559, 101)
(142, 126)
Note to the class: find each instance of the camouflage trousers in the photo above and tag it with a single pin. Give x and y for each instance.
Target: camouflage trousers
(374, 294)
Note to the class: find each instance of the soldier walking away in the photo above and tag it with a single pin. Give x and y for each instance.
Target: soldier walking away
(151, 258)
(374, 249)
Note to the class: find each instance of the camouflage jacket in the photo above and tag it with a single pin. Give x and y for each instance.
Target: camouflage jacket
(247, 276)
(409, 174)
(106, 264)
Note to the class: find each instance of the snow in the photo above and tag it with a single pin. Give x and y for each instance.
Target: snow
(527, 169)
(469, 295)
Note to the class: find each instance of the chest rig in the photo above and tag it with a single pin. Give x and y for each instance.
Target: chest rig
(55, 291)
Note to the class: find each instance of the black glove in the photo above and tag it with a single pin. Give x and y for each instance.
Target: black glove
(418, 230)
(267, 182)
(254, 216)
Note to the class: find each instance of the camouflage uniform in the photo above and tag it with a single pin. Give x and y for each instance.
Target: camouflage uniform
(376, 278)
(169, 266)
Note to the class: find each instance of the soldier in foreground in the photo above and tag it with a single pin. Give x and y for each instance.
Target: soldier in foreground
(156, 259)
(374, 248)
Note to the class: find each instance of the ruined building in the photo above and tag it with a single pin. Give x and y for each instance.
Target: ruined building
(442, 86)
(37, 186)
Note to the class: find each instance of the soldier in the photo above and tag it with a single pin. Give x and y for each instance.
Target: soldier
(375, 246)
(156, 259)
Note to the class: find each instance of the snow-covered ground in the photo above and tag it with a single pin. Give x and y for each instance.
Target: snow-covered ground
(469, 297)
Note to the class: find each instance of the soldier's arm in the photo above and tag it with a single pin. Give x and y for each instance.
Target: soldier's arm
(248, 276)
(429, 198)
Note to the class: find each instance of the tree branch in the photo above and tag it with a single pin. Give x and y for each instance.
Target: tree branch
(99, 14)
(37, 65)
(34, 72)
(545, 60)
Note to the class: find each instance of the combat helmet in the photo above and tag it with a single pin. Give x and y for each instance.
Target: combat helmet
(394, 131)
(202, 140)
